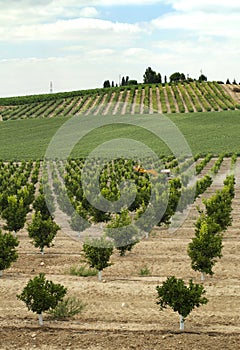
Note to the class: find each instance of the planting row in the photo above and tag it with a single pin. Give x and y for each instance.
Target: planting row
(140, 99)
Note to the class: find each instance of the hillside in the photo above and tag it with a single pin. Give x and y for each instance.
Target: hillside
(138, 99)
(215, 132)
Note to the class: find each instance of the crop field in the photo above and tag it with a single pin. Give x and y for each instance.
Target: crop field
(140, 99)
(120, 311)
(216, 132)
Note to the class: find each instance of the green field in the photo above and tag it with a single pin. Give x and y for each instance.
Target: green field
(216, 132)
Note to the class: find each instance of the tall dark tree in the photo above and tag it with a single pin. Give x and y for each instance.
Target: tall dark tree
(106, 84)
(202, 78)
(151, 77)
(177, 77)
(123, 83)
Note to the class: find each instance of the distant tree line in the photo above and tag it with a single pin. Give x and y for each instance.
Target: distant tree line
(125, 81)
(152, 77)
(234, 82)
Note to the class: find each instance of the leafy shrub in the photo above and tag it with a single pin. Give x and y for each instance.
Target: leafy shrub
(83, 271)
(8, 252)
(41, 295)
(180, 297)
(145, 271)
(68, 307)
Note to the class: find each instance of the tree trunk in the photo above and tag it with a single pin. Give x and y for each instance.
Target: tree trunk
(40, 319)
(202, 276)
(1, 273)
(181, 323)
(42, 251)
(146, 235)
(99, 275)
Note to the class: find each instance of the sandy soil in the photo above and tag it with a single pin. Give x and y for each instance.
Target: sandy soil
(121, 312)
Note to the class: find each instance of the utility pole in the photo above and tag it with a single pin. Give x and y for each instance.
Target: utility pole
(51, 87)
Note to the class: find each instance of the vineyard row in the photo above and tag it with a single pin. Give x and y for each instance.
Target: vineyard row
(141, 99)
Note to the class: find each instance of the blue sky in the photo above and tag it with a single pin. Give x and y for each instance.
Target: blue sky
(77, 44)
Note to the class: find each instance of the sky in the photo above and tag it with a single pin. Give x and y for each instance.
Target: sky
(78, 44)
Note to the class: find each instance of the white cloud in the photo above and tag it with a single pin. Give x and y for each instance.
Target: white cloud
(205, 5)
(15, 12)
(88, 12)
(13, 15)
(200, 23)
(194, 35)
(70, 30)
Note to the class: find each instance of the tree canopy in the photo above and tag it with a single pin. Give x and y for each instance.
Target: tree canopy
(151, 77)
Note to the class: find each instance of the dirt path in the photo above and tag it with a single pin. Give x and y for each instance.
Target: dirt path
(158, 100)
(109, 104)
(125, 103)
(118, 104)
(100, 106)
(166, 99)
(93, 105)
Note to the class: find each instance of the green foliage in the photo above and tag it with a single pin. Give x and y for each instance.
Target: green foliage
(42, 231)
(202, 164)
(98, 252)
(106, 84)
(174, 196)
(181, 298)
(40, 294)
(151, 77)
(67, 308)
(213, 227)
(40, 205)
(176, 77)
(145, 271)
(202, 78)
(202, 184)
(218, 207)
(199, 130)
(233, 160)
(79, 219)
(8, 253)
(83, 271)
(229, 183)
(123, 232)
(217, 164)
(15, 213)
(206, 246)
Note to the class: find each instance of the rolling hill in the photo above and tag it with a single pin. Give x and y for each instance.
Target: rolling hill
(138, 99)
